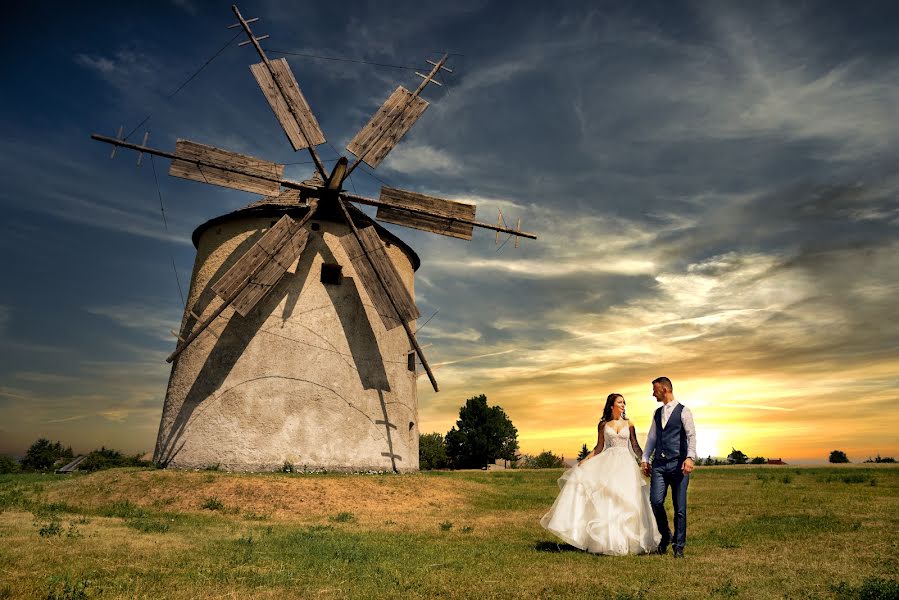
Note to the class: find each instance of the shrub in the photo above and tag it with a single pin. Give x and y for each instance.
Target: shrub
(854, 478)
(446, 526)
(737, 458)
(758, 460)
(881, 459)
(288, 467)
(343, 517)
(431, 451)
(872, 588)
(212, 503)
(107, 458)
(146, 525)
(122, 509)
(51, 529)
(544, 460)
(8, 465)
(64, 589)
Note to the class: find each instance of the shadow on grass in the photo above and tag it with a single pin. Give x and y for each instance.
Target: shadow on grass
(545, 546)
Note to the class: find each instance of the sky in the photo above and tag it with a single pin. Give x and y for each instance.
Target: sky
(713, 186)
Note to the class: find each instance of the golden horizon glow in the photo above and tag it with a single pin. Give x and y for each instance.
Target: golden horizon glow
(767, 416)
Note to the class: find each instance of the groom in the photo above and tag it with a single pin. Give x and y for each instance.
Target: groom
(672, 436)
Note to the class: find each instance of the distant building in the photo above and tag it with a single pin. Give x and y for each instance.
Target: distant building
(775, 461)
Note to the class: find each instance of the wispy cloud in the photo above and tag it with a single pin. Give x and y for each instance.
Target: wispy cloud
(417, 159)
(148, 319)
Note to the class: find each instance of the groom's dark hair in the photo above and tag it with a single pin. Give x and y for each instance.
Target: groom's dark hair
(664, 382)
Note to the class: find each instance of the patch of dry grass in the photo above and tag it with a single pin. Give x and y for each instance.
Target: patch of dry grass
(754, 533)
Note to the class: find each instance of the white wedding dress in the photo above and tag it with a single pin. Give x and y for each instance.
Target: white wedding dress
(603, 506)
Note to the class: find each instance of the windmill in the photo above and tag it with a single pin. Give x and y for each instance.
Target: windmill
(258, 264)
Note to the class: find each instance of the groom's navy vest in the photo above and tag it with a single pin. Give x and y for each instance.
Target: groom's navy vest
(671, 442)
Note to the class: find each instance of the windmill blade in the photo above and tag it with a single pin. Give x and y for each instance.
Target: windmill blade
(263, 265)
(388, 126)
(374, 249)
(288, 103)
(294, 242)
(208, 164)
(380, 276)
(431, 214)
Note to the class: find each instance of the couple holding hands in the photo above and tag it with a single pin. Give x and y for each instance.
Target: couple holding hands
(605, 505)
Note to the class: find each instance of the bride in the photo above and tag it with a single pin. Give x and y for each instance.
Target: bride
(603, 506)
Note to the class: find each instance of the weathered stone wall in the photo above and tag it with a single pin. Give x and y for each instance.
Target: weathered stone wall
(309, 377)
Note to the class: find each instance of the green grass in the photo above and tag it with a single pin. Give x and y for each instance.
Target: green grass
(754, 532)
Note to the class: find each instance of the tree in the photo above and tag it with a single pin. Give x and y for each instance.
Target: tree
(481, 435)
(431, 451)
(759, 460)
(736, 457)
(544, 460)
(583, 453)
(43, 455)
(8, 465)
(838, 456)
(881, 459)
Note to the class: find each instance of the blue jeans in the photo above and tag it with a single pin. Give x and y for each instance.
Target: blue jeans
(664, 474)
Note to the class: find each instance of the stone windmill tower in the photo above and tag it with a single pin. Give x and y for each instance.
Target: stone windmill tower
(297, 342)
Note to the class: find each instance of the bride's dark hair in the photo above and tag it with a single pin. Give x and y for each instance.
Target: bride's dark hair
(607, 411)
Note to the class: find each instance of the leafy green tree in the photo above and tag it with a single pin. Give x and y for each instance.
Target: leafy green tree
(544, 460)
(759, 460)
(838, 456)
(43, 455)
(737, 458)
(481, 435)
(8, 465)
(583, 453)
(431, 451)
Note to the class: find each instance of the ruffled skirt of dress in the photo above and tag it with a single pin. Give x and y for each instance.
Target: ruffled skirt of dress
(603, 506)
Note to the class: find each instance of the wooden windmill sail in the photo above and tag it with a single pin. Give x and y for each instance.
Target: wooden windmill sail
(263, 265)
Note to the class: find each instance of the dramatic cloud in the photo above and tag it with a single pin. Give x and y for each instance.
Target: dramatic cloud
(713, 189)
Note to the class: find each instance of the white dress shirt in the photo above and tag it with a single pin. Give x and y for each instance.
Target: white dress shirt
(686, 418)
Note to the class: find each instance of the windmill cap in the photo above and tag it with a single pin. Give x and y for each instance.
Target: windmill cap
(288, 202)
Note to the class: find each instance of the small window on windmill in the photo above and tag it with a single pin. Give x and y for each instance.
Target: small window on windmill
(331, 274)
(410, 361)
(316, 227)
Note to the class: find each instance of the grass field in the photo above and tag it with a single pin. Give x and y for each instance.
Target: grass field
(763, 532)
